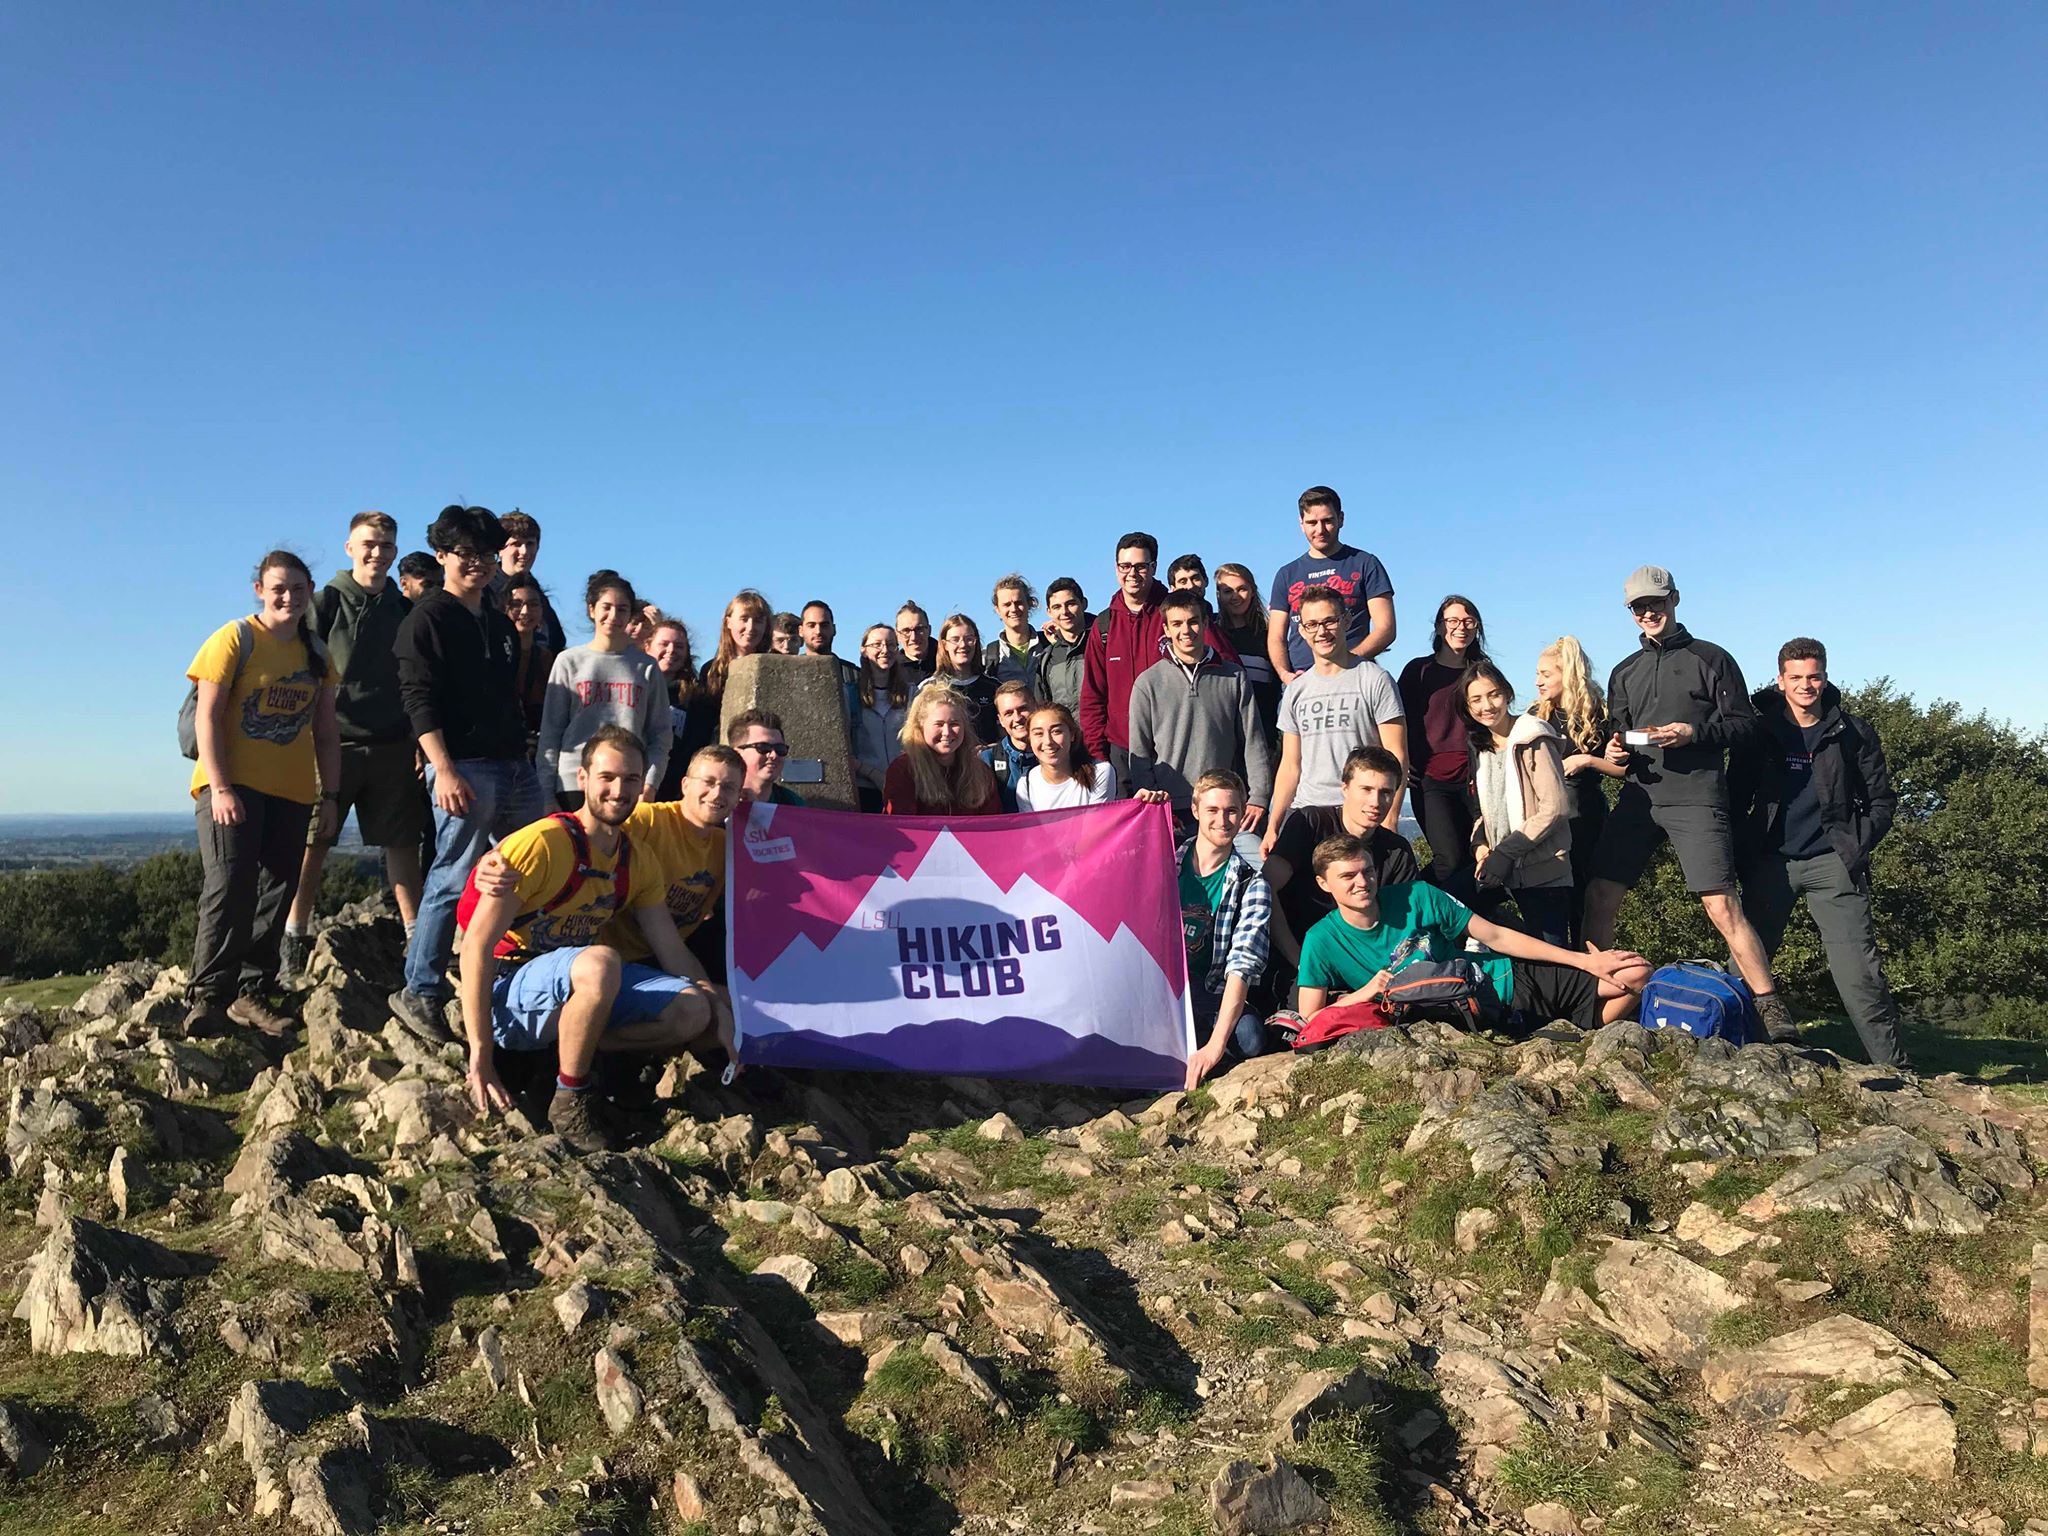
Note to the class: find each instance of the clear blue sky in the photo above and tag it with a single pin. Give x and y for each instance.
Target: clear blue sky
(882, 301)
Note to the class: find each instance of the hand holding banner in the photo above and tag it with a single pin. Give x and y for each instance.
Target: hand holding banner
(1044, 947)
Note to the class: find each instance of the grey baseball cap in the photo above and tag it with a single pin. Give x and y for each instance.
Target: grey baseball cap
(1647, 581)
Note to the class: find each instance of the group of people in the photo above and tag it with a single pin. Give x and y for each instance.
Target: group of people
(565, 807)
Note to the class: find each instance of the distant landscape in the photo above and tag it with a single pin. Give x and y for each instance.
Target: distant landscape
(58, 842)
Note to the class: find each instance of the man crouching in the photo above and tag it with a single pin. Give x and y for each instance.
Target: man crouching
(533, 975)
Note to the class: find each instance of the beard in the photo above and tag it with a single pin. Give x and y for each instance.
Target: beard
(615, 815)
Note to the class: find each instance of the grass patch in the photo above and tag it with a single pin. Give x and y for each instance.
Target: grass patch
(1741, 1328)
(50, 992)
(1342, 1457)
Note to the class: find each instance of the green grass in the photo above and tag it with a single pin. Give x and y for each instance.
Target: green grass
(1341, 1455)
(49, 992)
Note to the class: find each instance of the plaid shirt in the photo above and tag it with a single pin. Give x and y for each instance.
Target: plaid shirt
(1243, 911)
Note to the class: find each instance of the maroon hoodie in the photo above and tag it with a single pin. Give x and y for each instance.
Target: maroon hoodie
(1120, 645)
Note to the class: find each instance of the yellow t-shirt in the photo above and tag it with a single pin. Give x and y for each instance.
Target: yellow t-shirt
(544, 857)
(269, 721)
(687, 862)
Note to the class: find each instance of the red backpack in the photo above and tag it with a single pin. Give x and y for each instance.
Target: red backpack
(1330, 1023)
(579, 842)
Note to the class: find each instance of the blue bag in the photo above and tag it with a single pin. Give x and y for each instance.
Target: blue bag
(1702, 999)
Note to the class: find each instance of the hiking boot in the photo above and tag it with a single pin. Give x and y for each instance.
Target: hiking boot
(292, 956)
(257, 1013)
(204, 1020)
(422, 1018)
(1779, 1027)
(579, 1118)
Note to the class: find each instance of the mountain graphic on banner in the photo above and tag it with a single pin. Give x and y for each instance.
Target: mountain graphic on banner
(1084, 855)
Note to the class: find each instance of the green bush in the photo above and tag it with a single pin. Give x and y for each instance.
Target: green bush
(84, 918)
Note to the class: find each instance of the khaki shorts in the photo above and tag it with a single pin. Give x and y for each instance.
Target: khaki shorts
(378, 782)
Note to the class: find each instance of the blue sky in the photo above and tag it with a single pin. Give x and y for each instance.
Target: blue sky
(882, 301)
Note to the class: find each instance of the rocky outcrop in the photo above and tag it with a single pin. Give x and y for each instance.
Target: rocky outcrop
(1884, 1171)
(92, 1289)
(1909, 1432)
(1770, 1380)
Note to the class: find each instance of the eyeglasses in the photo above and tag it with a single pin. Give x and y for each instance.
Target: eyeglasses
(1134, 567)
(519, 604)
(913, 629)
(767, 748)
(1461, 623)
(470, 556)
(1644, 607)
(1318, 626)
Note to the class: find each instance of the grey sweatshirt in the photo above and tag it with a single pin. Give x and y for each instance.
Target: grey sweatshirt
(1188, 720)
(589, 689)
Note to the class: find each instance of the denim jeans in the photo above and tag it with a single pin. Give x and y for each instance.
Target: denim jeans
(1247, 1036)
(504, 795)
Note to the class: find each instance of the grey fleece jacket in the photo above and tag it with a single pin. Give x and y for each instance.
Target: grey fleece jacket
(1187, 720)
(589, 689)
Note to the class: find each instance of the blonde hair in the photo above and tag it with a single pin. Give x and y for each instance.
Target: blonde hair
(1579, 712)
(959, 783)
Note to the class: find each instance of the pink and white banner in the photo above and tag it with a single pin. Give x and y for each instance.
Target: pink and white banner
(1044, 947)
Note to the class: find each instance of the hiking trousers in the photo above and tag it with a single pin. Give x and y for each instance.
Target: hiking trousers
(1772, 886)
(250, 872)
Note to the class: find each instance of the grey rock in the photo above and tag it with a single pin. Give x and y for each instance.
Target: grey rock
(618, 1396)
(95, 1289)
(1657, 1302)
(23, 1450)
(1709, 1125)
(276, 1162)
(362, 947)
(1768, 1380)
(1321, 1393)
(118, 990)
(490, 1356)
(160, 1425)
(1251, 1501)
(1884, 1171)
(955, 1363)
(805, 692)
(1909, 1432)
(331, 1492)
(1763, 1074)
(1509, 1132)
(577, 1305)
(263, 1420)
(36, 1116)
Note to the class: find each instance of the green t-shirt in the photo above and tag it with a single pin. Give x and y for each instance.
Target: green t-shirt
(1199, 894)
(1417, 922)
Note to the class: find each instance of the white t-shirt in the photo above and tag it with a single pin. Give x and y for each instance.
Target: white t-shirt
(1334, 716)
(1035, 794)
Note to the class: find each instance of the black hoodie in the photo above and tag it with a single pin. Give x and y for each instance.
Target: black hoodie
(360, 629)
(1682, 681)
(1850, 780)
(459, 674)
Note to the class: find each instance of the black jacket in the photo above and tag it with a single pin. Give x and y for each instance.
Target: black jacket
(1850, 779)
(1682, 681)
(361, 632)
(459, 674)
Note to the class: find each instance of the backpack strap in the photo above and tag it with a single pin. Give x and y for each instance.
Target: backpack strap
(579, 842)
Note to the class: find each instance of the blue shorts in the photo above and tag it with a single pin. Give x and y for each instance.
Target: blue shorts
(526, 1004)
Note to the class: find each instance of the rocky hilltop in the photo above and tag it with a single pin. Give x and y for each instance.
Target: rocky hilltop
(1419, 1281)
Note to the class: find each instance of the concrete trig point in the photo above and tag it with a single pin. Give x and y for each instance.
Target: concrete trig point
(805, 691)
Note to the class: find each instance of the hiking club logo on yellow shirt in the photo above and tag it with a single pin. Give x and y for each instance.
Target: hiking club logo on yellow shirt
(277, 711)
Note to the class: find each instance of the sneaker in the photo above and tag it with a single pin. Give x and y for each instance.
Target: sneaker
(292, 956)
(204, 1020)
(257, 1013)
(1779, 1026)
(580, 1120)
(423, 1018)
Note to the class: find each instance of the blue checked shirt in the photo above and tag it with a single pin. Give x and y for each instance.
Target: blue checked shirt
(1243, 912)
